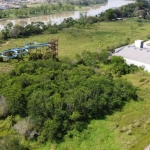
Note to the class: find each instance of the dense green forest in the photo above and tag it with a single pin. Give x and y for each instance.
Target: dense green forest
(58, 97)
(86, 2)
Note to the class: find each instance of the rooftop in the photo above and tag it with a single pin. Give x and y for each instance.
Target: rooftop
(133, 53)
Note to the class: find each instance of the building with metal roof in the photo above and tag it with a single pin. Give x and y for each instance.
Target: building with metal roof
(137, 54)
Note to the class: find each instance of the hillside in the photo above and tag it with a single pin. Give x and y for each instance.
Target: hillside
(85, 99)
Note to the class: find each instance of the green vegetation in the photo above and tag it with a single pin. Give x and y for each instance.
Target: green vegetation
(95, 37)
(127, 129)
(85, 100)
(34, 11)
(139, 9)
(62, 97)
(86, 2)
(40, 9)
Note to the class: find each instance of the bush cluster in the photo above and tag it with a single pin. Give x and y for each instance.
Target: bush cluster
(65, 95)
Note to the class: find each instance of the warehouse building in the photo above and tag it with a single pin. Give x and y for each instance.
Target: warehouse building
(137, 54)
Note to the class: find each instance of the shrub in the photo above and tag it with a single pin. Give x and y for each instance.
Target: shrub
(35, 56)
(142, 80)
(1, 59)
(12, 142)
(3, 107)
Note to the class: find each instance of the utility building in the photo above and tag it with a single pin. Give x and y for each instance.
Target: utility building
(137, 54)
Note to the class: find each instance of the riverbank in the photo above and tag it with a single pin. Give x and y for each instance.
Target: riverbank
(76, 8)
(57, 18)
(37, 17)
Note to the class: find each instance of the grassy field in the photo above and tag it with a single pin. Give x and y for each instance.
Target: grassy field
(100, 36)
(127, 129)
(91, 38)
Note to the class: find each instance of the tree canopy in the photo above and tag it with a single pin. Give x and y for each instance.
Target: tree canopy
(63, 95)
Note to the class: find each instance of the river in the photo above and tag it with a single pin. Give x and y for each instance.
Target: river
(58, 18)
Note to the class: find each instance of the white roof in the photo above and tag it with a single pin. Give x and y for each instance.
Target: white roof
(133, 53)
(139, 40)
(147, 43)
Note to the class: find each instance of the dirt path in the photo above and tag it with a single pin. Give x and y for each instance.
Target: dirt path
(147, 148)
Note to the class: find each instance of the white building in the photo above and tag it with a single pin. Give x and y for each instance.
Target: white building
(137, 54)
(138, 43)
